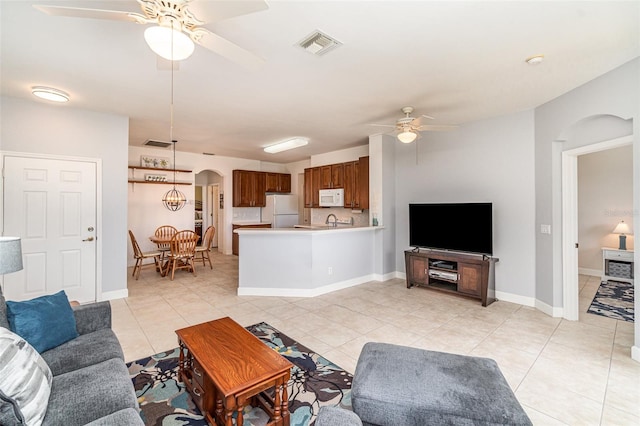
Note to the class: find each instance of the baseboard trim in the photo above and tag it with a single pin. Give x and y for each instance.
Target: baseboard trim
(556, 312)
(514, 298)
(305, 292)
(590, 272)
(112, 295)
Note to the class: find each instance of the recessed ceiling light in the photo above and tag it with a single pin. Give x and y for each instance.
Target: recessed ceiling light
(534, 60)
(50, 94)
(288, 144)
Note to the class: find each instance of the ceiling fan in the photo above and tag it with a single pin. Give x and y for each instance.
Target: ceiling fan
(408, 128)
(178, 24)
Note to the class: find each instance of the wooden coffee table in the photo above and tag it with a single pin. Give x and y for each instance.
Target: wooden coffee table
(226, 368)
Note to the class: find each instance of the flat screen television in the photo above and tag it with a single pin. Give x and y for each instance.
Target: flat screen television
(465, 227)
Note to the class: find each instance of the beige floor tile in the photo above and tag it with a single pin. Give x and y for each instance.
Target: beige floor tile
(563, 372)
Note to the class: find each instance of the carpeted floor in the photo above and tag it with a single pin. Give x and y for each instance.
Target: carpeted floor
(614, 299)
(315, 382)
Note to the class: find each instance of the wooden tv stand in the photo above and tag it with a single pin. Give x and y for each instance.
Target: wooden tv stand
(464, 274)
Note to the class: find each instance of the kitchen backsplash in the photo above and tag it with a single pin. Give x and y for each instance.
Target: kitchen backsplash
(246, 214)
(319, 216)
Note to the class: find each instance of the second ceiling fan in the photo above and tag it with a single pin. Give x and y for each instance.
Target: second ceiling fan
(408, 128)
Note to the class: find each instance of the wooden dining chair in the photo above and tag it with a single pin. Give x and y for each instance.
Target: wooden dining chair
(183, 250)
(167, 232)
(205, 249)
(140, 257)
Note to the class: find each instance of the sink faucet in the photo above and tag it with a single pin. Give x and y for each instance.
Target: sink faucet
(335, 220)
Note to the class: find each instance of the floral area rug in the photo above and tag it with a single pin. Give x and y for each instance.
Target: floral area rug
(614, 299)
(315, 382)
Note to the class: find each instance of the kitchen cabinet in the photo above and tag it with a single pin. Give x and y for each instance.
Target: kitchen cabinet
(332, 176)
(278, 183)
(312, 183)
(356, 184)
(249, 188)
(235, 239)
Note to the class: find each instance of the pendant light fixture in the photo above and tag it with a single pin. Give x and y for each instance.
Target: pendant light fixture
(173, 200)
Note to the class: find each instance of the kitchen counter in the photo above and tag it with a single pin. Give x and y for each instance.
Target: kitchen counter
(305, 262)
(250, 223)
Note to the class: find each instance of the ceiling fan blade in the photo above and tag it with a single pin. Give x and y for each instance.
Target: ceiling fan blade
(383, 125)
(77, 12)
(428, 116)
(229, 50)
(214, 11)
(436, 128)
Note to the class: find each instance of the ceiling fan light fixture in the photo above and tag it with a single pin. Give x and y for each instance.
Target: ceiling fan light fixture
(286, 145)
(159, 39)
(407, 136)
(50, 94)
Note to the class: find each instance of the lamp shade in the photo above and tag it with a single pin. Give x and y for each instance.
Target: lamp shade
(10, 255)
(160, 41)
(622, 228)
(407, 136)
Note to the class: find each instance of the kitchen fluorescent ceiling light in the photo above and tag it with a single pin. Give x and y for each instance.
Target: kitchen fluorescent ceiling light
(159, 40)
(50, 94)
(283, 146)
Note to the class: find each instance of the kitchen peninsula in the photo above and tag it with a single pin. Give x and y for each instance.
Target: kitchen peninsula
(305, 262)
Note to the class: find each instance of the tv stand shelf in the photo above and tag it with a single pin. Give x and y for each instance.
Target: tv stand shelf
(464, 274)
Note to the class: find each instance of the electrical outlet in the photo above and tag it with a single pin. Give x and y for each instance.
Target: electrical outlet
(330, 271)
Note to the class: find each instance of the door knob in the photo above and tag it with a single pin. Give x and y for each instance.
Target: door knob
(89, 239)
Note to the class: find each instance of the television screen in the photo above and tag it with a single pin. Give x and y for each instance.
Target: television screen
(466, 227)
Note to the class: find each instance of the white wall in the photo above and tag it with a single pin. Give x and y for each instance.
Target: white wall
(487, 161)
(36, 127)
(341, 156)
(605, 197)
(590, 113)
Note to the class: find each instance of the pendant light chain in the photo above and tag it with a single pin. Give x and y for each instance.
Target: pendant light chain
(173, 200)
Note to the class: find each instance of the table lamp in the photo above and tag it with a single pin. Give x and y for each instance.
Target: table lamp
(622, 229)
(10, 255)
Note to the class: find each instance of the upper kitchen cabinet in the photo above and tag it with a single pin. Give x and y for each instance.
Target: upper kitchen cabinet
(356, 184)
(278, 183)
(249, 188)
(312, 183)
(332, 176)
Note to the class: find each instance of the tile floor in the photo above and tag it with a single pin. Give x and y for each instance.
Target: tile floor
(563, 372)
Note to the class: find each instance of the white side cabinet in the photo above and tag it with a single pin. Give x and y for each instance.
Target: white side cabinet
(617, 264)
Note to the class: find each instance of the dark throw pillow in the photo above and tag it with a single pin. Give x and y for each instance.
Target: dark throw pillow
(45, 322)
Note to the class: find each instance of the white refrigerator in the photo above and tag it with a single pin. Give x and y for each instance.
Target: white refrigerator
(281, 211)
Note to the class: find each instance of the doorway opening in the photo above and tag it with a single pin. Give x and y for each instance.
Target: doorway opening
(209, 204)
(570, 269)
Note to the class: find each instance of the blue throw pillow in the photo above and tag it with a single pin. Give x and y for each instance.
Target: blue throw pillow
(45, 322)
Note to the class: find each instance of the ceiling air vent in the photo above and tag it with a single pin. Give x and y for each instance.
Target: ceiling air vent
(319, 43)
(157, 144)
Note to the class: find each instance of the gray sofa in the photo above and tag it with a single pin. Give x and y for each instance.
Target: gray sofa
(91, 383)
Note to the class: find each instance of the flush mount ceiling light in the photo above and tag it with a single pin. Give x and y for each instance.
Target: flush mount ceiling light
(407, 136)
(286, 145)
(162, 40)
(50, 94)
(534, 60)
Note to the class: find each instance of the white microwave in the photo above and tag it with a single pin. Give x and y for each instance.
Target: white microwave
(332, 197)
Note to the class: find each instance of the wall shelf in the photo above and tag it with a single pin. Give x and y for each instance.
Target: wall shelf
(133, 179)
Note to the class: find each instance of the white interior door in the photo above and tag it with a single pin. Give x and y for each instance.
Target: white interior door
(51, 205)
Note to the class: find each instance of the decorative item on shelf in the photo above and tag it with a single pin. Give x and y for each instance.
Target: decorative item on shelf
(173, 200)
(10, 255)
(155, 162)
(155, 178)
(622, 228)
